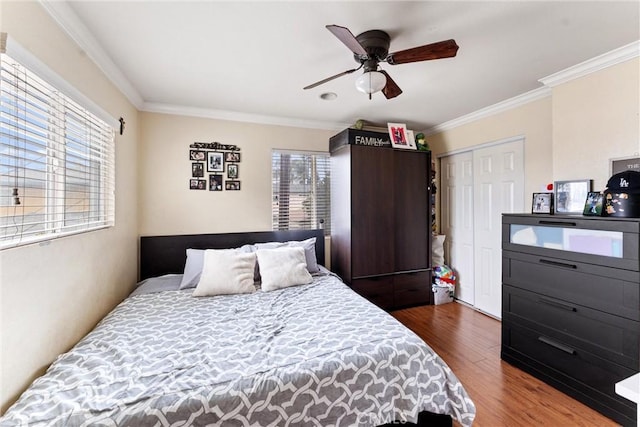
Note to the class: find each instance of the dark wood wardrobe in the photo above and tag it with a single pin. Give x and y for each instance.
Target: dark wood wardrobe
(380, 214)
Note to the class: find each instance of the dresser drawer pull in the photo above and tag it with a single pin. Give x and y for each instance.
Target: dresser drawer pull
(558, 304)
(557, 345)
(561, 223)
(558, 264)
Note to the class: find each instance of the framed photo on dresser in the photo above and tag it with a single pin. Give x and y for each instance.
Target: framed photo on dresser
(542, 203)
(593, 204)
(570, 196)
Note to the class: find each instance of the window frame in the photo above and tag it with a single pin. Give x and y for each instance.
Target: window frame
(324, 223)
(77, 154)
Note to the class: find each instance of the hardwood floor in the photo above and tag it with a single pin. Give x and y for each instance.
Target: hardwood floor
(469, 342)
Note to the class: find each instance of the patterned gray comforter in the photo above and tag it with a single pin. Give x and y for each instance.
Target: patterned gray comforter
(314, 355)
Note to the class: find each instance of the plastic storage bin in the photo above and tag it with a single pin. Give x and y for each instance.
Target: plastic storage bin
(442, 294)
(443, 286)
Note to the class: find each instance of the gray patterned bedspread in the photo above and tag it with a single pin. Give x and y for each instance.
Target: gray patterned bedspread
(316, 355)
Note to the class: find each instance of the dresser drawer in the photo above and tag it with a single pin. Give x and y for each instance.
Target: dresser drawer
(603, 288)
(610, 242)
(606, 335)
(412, 288)
(591, 373)
(378, 290)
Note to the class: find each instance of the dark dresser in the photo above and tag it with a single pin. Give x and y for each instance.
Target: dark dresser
(571, 305)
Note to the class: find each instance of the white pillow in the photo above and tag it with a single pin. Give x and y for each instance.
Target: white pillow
(309, 246)
(283, 267)
(225, 272)
(193, 265)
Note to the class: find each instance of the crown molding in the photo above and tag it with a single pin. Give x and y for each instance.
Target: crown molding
(614, 57)
(207, 113)
(67, 19)
(491, 110)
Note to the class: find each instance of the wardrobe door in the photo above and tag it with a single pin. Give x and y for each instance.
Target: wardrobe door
(341, 213)
(372, 213)
(411, 210)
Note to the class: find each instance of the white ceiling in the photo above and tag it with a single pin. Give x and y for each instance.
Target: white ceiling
(250, 60)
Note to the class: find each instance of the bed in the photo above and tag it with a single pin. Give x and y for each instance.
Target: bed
(312, 354)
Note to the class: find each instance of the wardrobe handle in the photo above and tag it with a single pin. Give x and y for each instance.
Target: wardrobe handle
(559, 223)
(558, 263)
(558, 304)
(557, 345)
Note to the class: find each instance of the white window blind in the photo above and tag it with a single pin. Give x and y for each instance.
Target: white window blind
(301, 190)
(57, 171)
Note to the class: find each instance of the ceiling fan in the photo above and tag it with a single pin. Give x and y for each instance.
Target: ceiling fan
(372, 47)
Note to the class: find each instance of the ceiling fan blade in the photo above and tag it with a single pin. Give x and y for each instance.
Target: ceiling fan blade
(391, 89)
(345, 36)
(443, 49)
(328, 79)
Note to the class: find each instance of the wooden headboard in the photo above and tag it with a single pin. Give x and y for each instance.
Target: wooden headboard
(167, 254)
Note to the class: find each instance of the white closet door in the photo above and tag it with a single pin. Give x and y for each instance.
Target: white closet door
(457, 220)
(498, 188)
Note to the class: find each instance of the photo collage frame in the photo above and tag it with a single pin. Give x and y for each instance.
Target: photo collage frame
(214, 166)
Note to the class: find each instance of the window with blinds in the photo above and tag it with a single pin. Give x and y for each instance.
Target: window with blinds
(56, 161)
(301, 190)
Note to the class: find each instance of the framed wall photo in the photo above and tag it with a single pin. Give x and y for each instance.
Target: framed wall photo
(215, 182)
(215, 161)
(197, 170)
(542, 203)
(197, 155)
(232, 185)
(593, 204)
(624, 164)
(570, 196)
(232, 156)
(197, 184)
(232, 171)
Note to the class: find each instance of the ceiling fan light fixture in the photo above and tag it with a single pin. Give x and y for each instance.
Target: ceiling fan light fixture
(371, 82)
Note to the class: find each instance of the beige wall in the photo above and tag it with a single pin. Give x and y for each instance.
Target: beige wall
(532, 120)
(165, 203)
(52, 294)
(570, 134)
(595, 118)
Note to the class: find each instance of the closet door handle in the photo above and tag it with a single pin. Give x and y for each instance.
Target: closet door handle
(558, 304)
(558, 263)
(557, 345)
